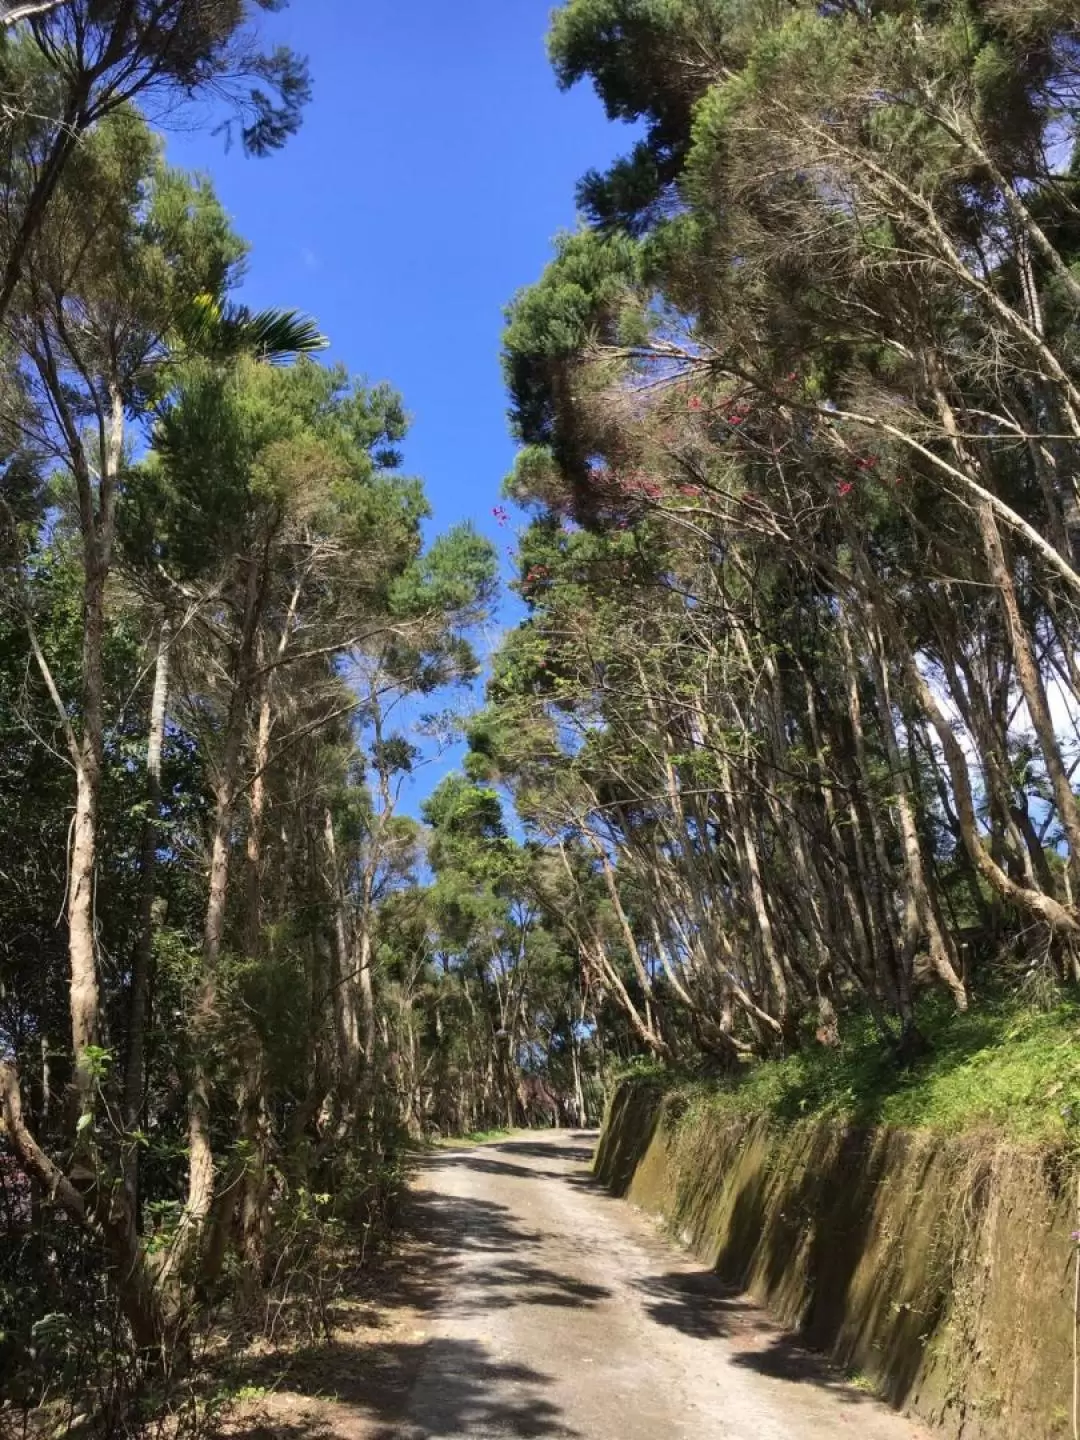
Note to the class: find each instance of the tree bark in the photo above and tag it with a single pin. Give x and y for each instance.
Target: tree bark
(139, 995)
(82, 940)
(1051, 912)
(1034, 691)
(97, 524)
(109, 1218)
(345, 1008)
(919, 912)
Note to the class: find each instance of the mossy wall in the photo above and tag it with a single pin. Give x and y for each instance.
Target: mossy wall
(939, 1267)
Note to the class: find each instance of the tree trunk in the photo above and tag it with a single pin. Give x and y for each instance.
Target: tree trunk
(82, 941)
(1031, 683)
(348, 1052)
(575, 1061)
(364, 950)
(111, 1220)
(1051, 912)
(138, 998)
(255, 1129)
(919, 911)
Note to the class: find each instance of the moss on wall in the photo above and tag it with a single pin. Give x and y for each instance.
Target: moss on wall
(939, 1267)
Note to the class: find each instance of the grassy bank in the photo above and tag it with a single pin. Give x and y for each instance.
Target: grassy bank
(1011, 1068)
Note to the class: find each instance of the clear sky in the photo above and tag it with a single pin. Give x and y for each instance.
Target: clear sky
(435, 163)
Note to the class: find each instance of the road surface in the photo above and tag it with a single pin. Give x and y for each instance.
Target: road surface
(564, 1313)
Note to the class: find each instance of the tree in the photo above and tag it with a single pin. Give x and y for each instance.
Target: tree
(71, 66)
(803, 383)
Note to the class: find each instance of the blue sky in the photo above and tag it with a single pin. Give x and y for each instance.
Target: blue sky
(435, 163)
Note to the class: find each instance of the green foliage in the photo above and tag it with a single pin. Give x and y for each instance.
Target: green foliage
(236, 454)
(1004, 1066)
(482, 1137)
(747, 711)
(583, 293)
(631, 49)
(455, 577)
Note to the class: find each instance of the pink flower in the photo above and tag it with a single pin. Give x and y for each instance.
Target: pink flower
(845, 487)
(694, 403)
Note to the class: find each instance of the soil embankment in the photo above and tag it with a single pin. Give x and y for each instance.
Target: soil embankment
(938, 1268)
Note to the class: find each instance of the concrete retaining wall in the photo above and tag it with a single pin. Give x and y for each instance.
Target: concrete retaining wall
(939, 1268)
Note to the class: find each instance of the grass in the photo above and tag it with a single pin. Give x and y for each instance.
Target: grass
(858, 1381)
(474, 1137)
(1011, 1068)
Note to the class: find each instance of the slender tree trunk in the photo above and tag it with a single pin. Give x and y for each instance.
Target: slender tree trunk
(98, 528)
(348, 1052)
(253, 847)
(138, 998)
(111, 1220)
(746, 847)
(256, 1136)
(14, 11)
(630, 940)
(1051, 912)
(575, 1061)
(364, 955)
(67, 135)
(255, 1129)
(594, 957)
(872, 862)
(919, 911)
(1034, 691)
(82, 940)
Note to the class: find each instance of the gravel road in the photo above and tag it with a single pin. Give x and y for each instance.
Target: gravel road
(565, 1313)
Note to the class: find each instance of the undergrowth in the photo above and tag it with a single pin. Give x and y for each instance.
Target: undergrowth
(1010, 1067)
(69, 1365)
(479, 1137)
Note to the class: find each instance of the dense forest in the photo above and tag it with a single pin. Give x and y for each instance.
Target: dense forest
(797, 696)
(783, 748)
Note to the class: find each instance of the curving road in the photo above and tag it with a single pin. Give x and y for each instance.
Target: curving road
(563, 1313)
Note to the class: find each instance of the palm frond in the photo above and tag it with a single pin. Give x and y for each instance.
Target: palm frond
(218, 332)
(273, 335)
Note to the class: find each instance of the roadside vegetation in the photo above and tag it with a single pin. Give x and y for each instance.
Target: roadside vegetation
(1007, 1068)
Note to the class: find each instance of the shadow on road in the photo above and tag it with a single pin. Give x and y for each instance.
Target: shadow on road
(499, 1159)
(466, 1392)
(783, 1358)
(694, 1304)
(455, 1224)
(573, 1154)
(698, 1303)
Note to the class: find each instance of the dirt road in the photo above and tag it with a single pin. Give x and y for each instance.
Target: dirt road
(564, 1313)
